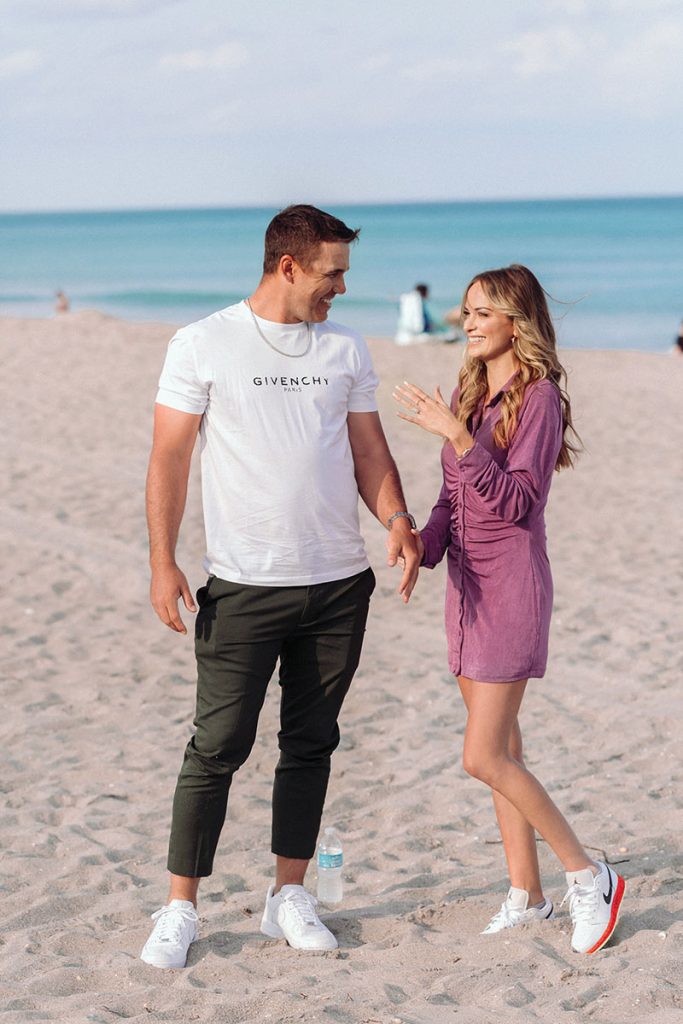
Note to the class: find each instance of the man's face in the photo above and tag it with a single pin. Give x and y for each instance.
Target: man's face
(315, 286)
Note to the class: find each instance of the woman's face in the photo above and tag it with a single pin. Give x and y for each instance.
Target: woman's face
(489, 332)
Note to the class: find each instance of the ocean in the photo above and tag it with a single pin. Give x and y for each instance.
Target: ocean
(614, 267)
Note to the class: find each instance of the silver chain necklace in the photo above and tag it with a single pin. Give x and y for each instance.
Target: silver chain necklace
(290, 355)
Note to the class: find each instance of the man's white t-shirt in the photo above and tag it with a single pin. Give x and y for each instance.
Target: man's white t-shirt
(278, 486)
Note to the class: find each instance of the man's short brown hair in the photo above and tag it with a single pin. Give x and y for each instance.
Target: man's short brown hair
(297, 231)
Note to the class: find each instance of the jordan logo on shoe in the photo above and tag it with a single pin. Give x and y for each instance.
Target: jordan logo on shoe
(608, 897)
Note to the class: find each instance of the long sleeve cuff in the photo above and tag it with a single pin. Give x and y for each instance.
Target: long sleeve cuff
(435, 548)
(476, 460)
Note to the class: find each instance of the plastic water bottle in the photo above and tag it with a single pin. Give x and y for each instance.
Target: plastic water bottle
(330, 860)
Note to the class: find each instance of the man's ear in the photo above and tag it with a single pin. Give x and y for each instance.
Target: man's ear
(286, 266)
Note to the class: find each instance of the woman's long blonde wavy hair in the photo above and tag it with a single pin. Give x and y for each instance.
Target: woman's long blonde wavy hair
(516, 292)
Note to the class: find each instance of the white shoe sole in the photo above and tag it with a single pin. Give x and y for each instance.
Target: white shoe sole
(166, 966)
(274, 931)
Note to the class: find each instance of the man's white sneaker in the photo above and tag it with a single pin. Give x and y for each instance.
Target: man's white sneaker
(594, 904)
(290, 914)
(515, 910)
(175, 929)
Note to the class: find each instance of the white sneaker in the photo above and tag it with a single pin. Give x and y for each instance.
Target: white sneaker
(594, 904)
(514, 911)
(175, 929)
(290, 914)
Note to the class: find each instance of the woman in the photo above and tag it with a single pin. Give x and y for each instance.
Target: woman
(505, 432)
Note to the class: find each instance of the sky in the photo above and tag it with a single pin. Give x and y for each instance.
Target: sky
(108, 104)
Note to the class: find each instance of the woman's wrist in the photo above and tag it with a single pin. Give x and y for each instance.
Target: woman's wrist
(461, 442)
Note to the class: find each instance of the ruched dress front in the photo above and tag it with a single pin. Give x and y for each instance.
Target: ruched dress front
(489, 520)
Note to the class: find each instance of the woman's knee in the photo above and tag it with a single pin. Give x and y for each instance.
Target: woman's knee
(484, 767)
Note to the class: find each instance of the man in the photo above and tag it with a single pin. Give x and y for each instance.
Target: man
(415, 323)
(284, 403)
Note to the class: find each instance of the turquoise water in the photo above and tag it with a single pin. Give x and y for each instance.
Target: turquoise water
(615, 265)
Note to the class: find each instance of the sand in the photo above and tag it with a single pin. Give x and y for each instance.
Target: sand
(98, 701)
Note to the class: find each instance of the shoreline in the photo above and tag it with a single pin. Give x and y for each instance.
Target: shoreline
(81, 316)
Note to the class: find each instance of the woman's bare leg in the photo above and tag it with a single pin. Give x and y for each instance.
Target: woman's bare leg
(519, 838)
(490, 745)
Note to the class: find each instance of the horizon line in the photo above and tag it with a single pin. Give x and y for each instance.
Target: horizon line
(216, 207)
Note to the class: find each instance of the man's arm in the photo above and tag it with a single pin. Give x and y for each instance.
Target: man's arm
(175, 434)
(380, 488)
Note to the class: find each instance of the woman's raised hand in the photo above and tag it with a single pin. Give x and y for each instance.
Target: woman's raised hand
(432, 414)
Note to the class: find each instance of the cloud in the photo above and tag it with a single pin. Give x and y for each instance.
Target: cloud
(111, 6)
(435, 68)
(543, 52)
(643, 74)
(229, 55)
(21, 62)
(645, 7)
(88, 8)
(602, 8)
(377, 62)
(537, 52)
(572, 6)
(226, 118)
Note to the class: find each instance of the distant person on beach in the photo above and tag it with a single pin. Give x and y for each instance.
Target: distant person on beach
(427, 322)
(61, 302)
(507, 429)
(415, 321)
(678, 343)
(284, 402)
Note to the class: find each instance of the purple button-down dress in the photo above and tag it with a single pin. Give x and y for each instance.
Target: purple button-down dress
(489, 519)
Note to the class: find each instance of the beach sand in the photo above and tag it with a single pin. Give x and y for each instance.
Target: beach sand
(98, 702)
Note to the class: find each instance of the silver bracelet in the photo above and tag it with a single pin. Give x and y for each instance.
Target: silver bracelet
(463, 454)
(402, 515)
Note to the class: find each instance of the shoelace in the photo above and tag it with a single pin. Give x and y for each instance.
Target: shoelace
(303, 904)
(582, 901)
(506, 916)
(170, 922)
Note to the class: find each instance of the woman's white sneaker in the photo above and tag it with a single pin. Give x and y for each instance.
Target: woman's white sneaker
(290, 914)
(594, 905)
(516, 910)
(175, 930)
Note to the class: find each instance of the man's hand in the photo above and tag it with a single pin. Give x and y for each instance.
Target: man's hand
(169, 584)
(405, 545)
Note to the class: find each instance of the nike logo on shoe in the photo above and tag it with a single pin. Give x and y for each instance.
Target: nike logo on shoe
(608, 897)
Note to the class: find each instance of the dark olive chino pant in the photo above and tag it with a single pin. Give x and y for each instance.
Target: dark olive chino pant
(241, 631)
